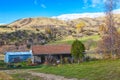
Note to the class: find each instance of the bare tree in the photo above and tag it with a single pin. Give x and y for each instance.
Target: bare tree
(109, 6)
(111, 39)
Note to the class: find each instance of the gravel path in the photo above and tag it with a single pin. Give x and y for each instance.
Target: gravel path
(42, 75)
(50, 76)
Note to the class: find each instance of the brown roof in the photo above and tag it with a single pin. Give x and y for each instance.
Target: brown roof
(51, 49)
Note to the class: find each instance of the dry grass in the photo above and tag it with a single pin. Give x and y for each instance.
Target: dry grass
(31, 23)
(1, 57)
(28, 22)
(4, 76)
(5, 30)
(94, 55)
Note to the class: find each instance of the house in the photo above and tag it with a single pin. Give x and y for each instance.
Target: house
(43, 53)
(11, 57)
(38, 54)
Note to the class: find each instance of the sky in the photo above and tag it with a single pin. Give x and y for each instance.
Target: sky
(11, 10)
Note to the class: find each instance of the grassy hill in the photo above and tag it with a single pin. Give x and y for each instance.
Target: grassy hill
(27, 22)
(36, 23)
(89, 41)
(62, 32)
(92, 24)
(32, 24)
(69, 40)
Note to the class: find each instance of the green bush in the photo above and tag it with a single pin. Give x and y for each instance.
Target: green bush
(2, 64)
(10, 65)
(23, 64)
(78, 50)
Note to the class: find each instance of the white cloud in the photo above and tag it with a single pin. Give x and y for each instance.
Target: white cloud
(93, 4)
(117, 11)
(38, 2)
(99, 2)
(43, 6)
(83, 15)
(96, 2)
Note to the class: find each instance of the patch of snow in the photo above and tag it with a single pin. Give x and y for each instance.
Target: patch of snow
(82, 15)
(75, 16)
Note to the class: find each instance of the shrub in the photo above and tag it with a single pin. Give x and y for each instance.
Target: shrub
(23, 63)
(78, 50)
(10, 65)
(29, 61)
(2, 64)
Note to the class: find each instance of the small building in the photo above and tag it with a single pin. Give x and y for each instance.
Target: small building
(13, 57)
(41, 53)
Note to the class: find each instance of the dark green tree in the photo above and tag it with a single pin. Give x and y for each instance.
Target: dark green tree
(78, 50)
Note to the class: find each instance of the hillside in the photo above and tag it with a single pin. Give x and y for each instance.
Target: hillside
(36, 23)
(39, 24)
(92, 24)
(32, 31)
(47, 30)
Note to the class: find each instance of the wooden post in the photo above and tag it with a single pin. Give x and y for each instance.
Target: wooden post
(32, 59)
(45, 58)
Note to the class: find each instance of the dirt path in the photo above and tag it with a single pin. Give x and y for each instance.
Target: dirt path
(14, 71)
(50, 76)
(42, 75)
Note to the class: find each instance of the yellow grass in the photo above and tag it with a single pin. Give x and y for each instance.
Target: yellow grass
(4, 76)
(1, 57)
(5, 30)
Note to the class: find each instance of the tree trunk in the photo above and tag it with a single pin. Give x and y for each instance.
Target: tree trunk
(61, 58)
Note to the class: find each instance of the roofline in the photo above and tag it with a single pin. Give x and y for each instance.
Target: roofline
(18, 52)
(52, 54)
